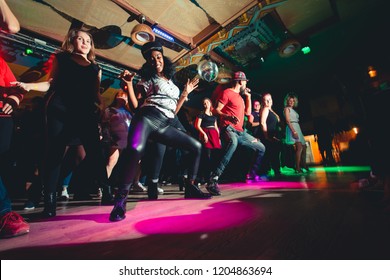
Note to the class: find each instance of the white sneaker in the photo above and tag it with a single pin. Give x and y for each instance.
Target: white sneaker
(64, 194)
(160, 190)
(138, 187)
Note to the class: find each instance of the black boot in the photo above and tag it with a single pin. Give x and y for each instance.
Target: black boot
(181, 183)
(193, 191)
(49, 210)
(118, 213)
(152, 190)
(107, 196)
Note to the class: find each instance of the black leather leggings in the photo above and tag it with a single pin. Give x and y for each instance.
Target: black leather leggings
(150, 122)
(156, 152)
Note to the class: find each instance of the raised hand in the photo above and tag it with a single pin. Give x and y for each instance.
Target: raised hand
(127, 76)
(247, 92)
(191, 85)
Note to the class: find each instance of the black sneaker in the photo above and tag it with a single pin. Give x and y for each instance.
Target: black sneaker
(212, 187)
(153, 191)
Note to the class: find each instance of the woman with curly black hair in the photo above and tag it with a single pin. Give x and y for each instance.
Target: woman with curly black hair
(157, 100)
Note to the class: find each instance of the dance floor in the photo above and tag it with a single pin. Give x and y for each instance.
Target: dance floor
(322, 215)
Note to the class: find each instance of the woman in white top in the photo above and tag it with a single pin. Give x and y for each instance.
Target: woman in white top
(156, 100)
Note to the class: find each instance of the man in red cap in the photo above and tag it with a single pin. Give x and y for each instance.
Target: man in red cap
(232, 106)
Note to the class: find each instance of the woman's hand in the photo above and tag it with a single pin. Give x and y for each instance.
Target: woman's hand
(204, 138)
(127, 76)
(191, 85)
(21, 85)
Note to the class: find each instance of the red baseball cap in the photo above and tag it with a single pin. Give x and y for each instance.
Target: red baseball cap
(240, 76)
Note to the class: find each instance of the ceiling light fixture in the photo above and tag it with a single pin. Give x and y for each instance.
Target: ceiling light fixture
(163, 34)
(289, 48)
(142, 33)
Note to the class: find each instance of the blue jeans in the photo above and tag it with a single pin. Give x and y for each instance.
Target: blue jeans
(5, 202)
(232, 138)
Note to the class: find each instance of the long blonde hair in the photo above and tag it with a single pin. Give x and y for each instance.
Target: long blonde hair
(68, 45)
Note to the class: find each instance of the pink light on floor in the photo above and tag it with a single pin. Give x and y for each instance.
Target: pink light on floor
(216, 217)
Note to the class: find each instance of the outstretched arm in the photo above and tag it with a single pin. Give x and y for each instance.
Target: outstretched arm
(9, 22)
(41, 86)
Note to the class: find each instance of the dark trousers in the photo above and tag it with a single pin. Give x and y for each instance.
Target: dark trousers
(272, 156)
(150, 122)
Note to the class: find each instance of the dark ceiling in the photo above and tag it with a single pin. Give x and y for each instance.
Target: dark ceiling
(343, 50)
(334, 73)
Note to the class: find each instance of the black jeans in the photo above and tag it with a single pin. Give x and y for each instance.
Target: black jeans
(150, 122)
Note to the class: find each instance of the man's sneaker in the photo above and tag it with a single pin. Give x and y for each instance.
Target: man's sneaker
(160, 190)
(212, 187)
(29, 205)
(138, 187)
(64, 195)
(12, 224)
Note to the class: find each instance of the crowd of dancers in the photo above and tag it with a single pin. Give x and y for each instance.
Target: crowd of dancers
(108, 146)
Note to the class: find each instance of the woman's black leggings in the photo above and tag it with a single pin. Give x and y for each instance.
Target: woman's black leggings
(150, 122)
(62, 128)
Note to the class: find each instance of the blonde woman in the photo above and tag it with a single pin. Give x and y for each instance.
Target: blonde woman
(294, 135)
